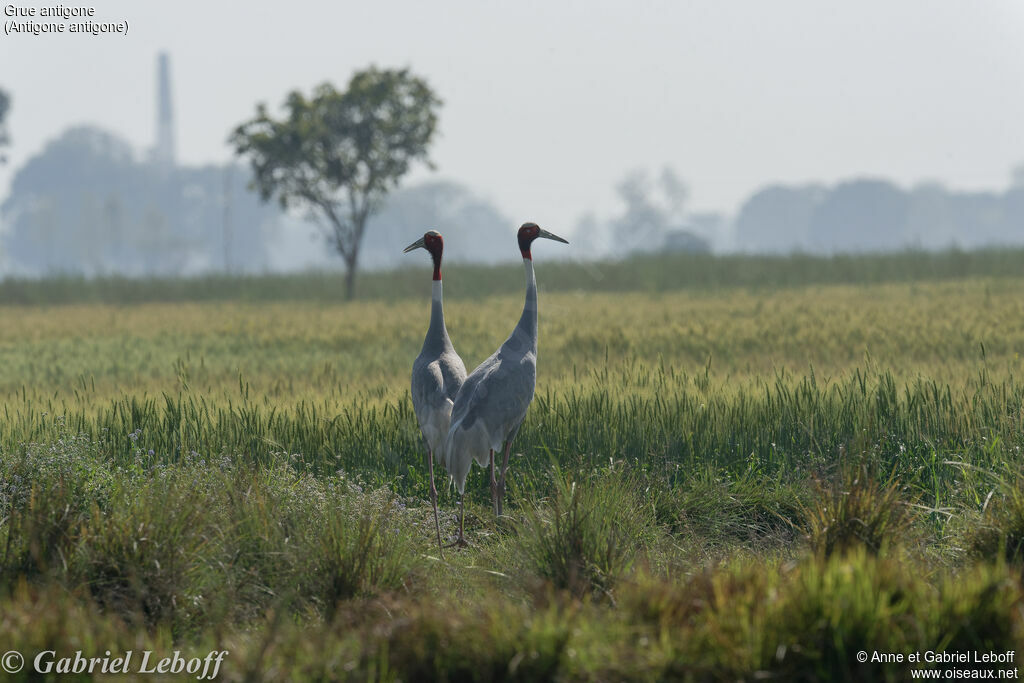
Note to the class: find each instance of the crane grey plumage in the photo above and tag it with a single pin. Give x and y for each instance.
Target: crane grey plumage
(437, 373)
(495, 397)
(492, 404)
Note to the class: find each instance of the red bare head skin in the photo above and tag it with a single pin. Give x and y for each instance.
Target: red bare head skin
(434, 243)
(528, 232)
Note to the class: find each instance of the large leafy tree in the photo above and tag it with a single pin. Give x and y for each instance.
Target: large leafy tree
(338, 154)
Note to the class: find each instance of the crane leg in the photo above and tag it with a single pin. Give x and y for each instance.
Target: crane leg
(494, 486)
(461, 540)
(433, 501)
(501, 481)
(462, 521)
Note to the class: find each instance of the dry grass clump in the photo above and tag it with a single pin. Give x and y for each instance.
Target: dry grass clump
(856, 510)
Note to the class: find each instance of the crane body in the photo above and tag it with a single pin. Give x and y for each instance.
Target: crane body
(437, 372)
(492, 403)
(437, 375)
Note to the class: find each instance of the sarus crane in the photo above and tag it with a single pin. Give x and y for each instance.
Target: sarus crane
(492, 403)
(437, 373)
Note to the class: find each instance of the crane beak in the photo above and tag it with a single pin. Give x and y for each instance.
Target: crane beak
(551, 236)
(418, 244)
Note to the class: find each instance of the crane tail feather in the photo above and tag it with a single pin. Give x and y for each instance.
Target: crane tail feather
(461, 448)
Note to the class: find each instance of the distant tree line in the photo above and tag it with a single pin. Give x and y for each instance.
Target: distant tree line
(5, 106)
(876, 215)
(474, 229)
(86, 205)
(653, 218)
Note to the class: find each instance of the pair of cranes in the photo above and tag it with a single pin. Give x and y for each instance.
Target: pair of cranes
(466, 418)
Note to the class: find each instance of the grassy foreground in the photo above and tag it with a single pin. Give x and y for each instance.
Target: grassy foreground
(731, 483)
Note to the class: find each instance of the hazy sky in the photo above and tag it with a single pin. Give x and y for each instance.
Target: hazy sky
(547, 104)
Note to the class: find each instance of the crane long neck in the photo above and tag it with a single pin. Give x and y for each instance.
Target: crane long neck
(528, 321)
(437, 333)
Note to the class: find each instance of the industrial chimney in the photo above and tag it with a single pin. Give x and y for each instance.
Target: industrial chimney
(163, 153)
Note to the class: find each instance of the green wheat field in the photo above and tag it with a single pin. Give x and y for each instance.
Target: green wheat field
(735, 468)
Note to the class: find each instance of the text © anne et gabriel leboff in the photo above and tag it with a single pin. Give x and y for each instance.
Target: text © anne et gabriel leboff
(53, 19)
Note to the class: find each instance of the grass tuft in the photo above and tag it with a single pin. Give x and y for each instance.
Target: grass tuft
(141, 559)
(361, 547)
(586, 536)
(1000, 531)
(855, 510)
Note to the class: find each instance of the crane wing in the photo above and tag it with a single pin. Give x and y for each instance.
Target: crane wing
(489, 409)
(431, 402)
(453, 373)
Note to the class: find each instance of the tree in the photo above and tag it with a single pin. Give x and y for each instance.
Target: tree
(777, 218)
(652, 209)
(471, 225)
(5, 105)
(1016, 175)
(861, 215)
(338, 154)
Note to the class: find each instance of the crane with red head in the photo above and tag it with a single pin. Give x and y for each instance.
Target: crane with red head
(492, 403)
(437, 373)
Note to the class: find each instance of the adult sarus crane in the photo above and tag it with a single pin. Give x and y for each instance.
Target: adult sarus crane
(437, 373)
(493, 401)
